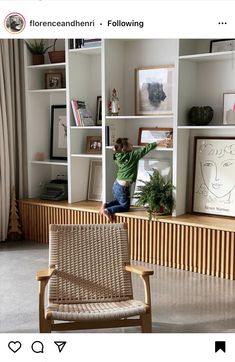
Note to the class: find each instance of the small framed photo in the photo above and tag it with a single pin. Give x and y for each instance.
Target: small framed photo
(53, 80)
(154, 90)
(222, 45)
(149, 135)
(95, 181)
(99, 111)
(58, 149)
(94, 144)
(229, 108)
(214, 182)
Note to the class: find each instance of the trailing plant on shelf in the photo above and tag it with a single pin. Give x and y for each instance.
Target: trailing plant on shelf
(37, 48)
(156, 194)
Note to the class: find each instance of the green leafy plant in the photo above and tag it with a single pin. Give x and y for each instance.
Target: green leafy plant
(37, 47)
(155, 194)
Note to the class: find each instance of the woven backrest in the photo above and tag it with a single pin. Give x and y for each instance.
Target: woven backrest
(90, 262)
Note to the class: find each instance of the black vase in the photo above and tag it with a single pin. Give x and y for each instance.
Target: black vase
(200, 116)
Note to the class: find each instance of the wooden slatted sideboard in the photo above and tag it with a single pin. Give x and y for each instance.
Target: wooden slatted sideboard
(201, 244)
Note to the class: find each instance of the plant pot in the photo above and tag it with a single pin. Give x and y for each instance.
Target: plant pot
(37, 59)
(57, 56)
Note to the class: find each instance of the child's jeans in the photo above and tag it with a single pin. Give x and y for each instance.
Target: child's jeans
(121, 200)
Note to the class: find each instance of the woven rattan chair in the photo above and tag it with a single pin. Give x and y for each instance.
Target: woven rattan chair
(90, 280)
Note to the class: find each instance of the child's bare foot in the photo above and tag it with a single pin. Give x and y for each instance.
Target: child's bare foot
(108, 216)
(101, 210)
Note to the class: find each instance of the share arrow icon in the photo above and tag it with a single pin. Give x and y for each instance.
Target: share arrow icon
(60, 345)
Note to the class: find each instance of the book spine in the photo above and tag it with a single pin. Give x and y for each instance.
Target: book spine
(106, 135)
(112, 135)
(92, 45)
(80, 119)
(75, 113)
(71, 43)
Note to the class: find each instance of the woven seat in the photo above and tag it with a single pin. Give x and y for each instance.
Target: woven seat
(95, 311)
(90, 281)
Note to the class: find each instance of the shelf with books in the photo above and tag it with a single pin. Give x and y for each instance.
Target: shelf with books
(83, 44)
(82, 114)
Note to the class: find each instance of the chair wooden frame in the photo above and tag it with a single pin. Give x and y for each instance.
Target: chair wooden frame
(143, 320)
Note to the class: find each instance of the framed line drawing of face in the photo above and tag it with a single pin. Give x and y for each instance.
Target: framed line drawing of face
(214, 181)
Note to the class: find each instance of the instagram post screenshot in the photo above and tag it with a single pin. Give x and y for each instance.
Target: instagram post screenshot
(117, 180)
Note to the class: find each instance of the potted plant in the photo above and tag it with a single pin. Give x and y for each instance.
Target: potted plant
(37, 48)
(56, 56)
(156, 195)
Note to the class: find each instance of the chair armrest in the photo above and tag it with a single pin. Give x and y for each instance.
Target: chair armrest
(139, 270)
(45, 274)
(144, 274)
(43, 277)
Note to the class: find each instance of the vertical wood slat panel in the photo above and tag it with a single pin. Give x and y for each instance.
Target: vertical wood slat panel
(198, 249)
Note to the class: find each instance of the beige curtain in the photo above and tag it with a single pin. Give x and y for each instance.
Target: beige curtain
(12, 128)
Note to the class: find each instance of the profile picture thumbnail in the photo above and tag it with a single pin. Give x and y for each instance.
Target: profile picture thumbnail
(14, 23)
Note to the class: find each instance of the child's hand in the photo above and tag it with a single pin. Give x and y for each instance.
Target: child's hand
(165, 143)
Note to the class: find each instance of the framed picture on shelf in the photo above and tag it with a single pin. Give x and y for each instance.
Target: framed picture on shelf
(94, 144)
(99, 111)
(222, 45)
(148, 135)
(58, 149)
(229, 108)
(154, 90)
(53, 80)
(214, 182)
(95, 181)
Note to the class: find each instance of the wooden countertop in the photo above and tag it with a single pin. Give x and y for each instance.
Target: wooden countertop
(210, 222)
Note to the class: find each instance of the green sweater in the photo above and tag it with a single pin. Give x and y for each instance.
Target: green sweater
(127, 162)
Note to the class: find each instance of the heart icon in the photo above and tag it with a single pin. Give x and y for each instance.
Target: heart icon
(14, 346)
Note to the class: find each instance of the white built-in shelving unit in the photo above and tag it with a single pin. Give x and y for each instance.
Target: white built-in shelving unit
(203, 79)
(122, 57)
(38, 105)
(200, 78)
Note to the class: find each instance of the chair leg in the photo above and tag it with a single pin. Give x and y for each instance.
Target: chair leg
(146, 323)
(45, 326)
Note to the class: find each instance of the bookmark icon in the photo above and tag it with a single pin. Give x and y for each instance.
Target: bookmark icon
(220, 345)
(60, 345)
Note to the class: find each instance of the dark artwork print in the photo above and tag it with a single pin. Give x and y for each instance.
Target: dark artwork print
(156, 94)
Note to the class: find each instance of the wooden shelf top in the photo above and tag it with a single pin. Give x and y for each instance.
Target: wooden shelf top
(210, 222)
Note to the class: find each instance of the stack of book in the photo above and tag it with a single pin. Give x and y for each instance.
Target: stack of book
(82, 114)
(91, 43)
(84, 43)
